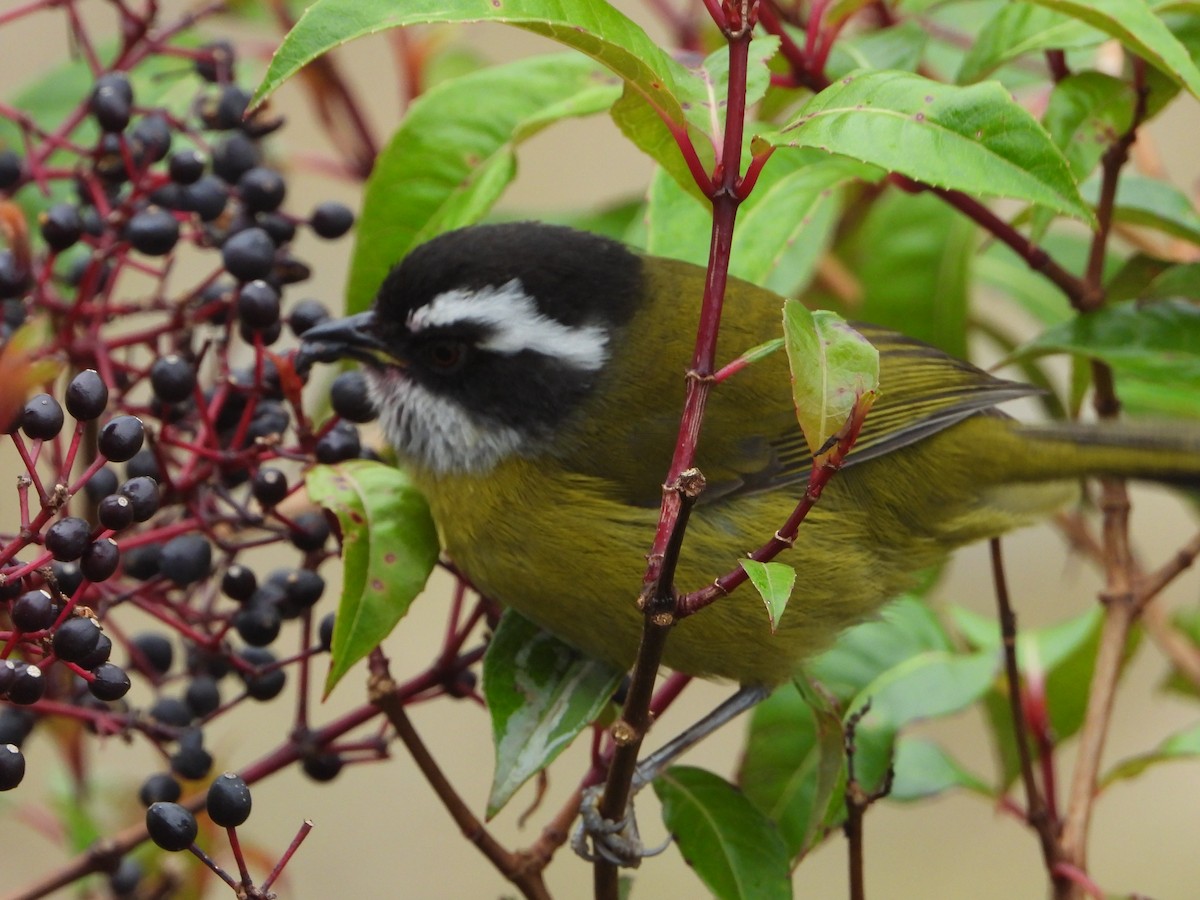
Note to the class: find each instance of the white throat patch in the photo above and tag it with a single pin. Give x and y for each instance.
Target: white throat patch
(513, 322)
(434, 431)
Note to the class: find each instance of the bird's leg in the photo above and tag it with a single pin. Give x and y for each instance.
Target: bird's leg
(618, 842)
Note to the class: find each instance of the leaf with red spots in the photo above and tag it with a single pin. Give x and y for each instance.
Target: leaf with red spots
(389, 547)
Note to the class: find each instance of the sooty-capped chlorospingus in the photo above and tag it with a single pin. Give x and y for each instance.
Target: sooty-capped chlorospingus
(530, 378)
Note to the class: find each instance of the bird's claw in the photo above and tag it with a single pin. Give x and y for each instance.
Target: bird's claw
(617, 842)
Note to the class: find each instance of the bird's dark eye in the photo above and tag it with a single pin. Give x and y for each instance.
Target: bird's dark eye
(445, 356)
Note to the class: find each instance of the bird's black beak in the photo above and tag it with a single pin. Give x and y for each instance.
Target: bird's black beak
(349, 338)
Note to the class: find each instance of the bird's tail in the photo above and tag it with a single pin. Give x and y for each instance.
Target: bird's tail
(1167, 452)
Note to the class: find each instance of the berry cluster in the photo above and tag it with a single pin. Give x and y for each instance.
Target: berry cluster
(146, 269)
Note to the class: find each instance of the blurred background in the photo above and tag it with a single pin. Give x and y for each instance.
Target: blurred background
(379, 831)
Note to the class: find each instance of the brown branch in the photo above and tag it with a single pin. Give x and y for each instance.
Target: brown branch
(1037, 812)
(525, 874)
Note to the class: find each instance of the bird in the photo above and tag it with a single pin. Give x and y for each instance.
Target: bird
(530, 379)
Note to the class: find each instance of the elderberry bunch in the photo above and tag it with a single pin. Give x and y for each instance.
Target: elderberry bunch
(147, 264)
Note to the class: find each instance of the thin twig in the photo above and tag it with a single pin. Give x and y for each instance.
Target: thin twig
(1037, 813)
(527, 879)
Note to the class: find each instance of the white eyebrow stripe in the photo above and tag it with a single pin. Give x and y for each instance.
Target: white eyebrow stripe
(514, 324)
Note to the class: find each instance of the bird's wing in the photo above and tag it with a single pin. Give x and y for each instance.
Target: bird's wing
(922, 391)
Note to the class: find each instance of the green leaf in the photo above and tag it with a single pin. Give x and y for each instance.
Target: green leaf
(1017, 29)
(453, 156)
(1157, 341)
(999, 269)
(1181, 746)
(1086, 113)
(927, 686)
(389, 547)
(734, 849)
(1134, 24)
(676, 224)
(899, 46)
(833, 369)
(540, 693)
(1150, 202)
(912, 257)
(788, 220)
(975, 139)
(924, 769)
(783, 227)
(905, 628)
(774, 582)
(794, 762)
(595, 29)
(1059, 657)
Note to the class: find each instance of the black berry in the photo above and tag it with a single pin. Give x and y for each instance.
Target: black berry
(151, 138)
(154, 650)
(28, 687)
(161, 787)
(172, 378)
(249, 254)
(15, 724)
(142, 493)
(203, 695)
(307, 314)
(228, 802)
(269, 486)
(229, 109)
(258, 304)
(111, 101)
(61, 225)
(302, 587)
(75, 638)
(125, 878)
(14, 277)
(325, 630)
(348, 395)
(191, 761)
(115, 512)
(33, 611)
(143, 464)
(10, 169)
(87, 395)
(42, 417)
(121, 437)
(278, 226)
(100, 560)
(102, 484)
(206, 198)
(215, 62)
(340, 443)
(142, 562)
(322, 765)
(261, 189)
(67, 575)
(109, 682)
(154, 232)
(257, 624)
(171, 826)
(262, 685)
(238, 583)
(99, 655)
(185, 166)
(171, 711)
(233, 157)
(311, 531)
(67, 538)
(331, 219)
(186, 559)
(12, 766)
